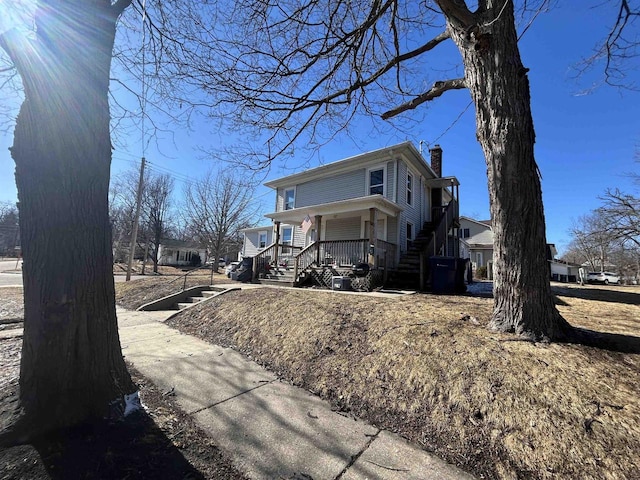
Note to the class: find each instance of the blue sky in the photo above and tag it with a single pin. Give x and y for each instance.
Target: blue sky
(586, 143)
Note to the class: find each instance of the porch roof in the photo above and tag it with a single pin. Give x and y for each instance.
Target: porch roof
(355, 206)
(442, 182)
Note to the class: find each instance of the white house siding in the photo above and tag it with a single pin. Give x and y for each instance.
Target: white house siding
(334, 188)
(390, 191)
(180, 256)
(392, 229)
(342, 228)
(475, 228)
(250, 244)
(329, 189)
(298, 236)
(410, 213)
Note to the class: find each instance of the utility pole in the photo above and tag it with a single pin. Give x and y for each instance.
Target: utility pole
(134, 230)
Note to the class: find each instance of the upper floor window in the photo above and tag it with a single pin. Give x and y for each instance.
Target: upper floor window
(465, 233)
(409, 189)
(289, 198)
(376, 181)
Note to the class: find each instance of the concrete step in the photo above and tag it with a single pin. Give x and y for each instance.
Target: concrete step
(193, 299)
(182, 305)
(209, 293)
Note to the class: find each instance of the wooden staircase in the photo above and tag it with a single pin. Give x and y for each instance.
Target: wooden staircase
(429, 241)
(281, 276)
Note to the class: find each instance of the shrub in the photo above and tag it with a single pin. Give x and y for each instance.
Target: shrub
(481, 272)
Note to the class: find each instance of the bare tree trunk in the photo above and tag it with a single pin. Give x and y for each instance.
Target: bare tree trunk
(72, 366)
(499, 88)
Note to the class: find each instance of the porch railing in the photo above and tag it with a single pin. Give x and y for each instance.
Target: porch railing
(343, 252)
(286, 254)
(386, 254)
(325, 252)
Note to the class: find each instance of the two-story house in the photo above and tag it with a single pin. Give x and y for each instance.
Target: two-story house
(476, 243)
(387, 208)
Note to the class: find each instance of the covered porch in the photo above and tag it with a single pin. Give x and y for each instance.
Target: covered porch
(333, 236)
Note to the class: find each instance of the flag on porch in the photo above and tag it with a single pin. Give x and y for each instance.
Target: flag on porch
(306, 224)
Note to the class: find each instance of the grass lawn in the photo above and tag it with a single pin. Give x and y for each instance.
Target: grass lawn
(427, 367)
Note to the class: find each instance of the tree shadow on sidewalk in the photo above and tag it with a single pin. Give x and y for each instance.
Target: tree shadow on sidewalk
(165, 443)
(135, 448)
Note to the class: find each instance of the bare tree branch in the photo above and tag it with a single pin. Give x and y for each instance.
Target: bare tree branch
(437, 89)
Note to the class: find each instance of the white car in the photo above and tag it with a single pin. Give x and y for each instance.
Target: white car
(232, 267)
(603, 277)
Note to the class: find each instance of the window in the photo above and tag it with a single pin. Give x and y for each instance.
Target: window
(287, 238)
(465, 233)
(409, 235)
(409, 189)
(262, 239)
(478, 259)
(289, 198)
(376, 181)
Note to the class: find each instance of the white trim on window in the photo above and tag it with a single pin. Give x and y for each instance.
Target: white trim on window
(377, 186)
(289, 205)
(410, 187)
(410, 234)
(262, 244)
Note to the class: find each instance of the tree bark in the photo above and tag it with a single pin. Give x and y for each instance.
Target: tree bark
(72, 367)
(499, 87)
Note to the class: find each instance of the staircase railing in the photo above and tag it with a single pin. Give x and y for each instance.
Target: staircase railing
(439, 235)
(285, 253)
(304, 260)
(262, 259)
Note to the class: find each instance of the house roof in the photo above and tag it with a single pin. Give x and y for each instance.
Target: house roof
(257, 229)
(171, 243)
(480, 240)
(351, 206)
(407, 150)
(484, 223)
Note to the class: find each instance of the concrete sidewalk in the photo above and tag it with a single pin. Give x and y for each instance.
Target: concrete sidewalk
(270, 429)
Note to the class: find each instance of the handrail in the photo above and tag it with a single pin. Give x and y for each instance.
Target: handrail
(439, 235)
(260, 259)
(184, 284)
(304, 259)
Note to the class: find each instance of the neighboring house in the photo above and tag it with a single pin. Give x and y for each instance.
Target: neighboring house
(476, 243)
(382, 208)
(562, 271)
(180, 253)
(256, 239)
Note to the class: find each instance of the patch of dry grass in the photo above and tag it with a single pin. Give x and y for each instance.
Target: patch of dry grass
(420, 365)
(12, 304)
(138, 292)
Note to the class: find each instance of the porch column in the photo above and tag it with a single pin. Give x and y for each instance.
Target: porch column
(373, 236)
(318, 224)
(275, 254)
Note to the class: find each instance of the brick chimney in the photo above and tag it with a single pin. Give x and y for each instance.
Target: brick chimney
(436, 160)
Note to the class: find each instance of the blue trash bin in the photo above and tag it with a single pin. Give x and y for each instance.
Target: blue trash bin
(443, 274)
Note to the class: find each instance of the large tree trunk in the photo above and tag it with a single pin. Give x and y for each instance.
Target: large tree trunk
(72, 366)
(499, 88)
